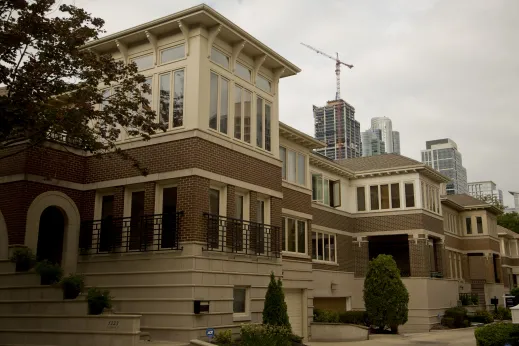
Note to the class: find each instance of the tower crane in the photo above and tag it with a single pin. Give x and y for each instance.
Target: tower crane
(337, 68)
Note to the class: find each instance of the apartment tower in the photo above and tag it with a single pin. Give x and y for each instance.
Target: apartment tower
(386, 127)
(372, 143)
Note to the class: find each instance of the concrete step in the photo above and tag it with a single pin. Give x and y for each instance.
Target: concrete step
(19, 279)
(7, 267)
(45, 307)
(30, 293)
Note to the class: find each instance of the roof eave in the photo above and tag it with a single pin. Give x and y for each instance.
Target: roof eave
(299, 137)
(322, 162)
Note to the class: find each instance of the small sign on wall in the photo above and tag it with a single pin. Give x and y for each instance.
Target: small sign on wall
(112, 324)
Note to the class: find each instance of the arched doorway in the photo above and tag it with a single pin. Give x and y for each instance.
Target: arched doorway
(50, 235)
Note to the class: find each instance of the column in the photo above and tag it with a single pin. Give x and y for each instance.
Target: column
(193, 200)
(361, 254)
(419, 255)
(439, 256)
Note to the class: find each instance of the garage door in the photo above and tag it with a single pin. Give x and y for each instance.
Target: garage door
(294, 300)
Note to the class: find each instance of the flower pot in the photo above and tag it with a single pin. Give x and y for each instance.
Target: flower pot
(23, 266)
(48, 280)
(71, 292)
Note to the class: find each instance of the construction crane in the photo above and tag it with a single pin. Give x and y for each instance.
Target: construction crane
(337, 68)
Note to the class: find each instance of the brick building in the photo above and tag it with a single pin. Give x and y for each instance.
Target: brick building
(232, 195)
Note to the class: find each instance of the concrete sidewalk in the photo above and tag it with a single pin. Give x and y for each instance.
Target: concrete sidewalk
(457, 337)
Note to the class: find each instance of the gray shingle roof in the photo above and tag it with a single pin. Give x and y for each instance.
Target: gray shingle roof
(465, 200)
(385, 161)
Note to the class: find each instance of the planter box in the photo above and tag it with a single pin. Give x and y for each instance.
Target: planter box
(339, 332)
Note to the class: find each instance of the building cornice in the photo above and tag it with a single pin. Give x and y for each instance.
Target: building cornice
(299, 137)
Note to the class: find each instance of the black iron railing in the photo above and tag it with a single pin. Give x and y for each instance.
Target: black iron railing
(435, 274)
(226, 234)
(469, 298)
(127, 234)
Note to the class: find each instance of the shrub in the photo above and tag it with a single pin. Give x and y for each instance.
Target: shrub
(98, 300)
(482, 316)
(502, 313)
(326, 316)
(265, 335)
(466, 299)
(474, 299)
(23, 258)
(385, 295)
(497, 334)
(515, 292)
(296, 339)
(223, 337)
(458, 316)
(448, 322)
(275, 309)
(355, 317)
(72, 285)
(50, 273)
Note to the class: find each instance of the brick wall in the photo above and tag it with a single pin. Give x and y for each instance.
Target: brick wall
(419, 257)
(298, 201)
(15, 163)
(345, 256)
(193, 199)
(361, 255)
(432, 224)
(388, 223)
(333, 220)
(439, 249)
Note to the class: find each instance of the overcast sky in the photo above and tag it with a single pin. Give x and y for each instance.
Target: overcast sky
(437, 68)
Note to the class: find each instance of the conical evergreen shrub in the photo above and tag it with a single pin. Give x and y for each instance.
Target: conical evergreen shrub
(275, 309)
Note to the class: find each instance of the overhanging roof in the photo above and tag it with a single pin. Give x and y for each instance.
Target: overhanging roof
(194, 16)
(299, 137)
(464, 202)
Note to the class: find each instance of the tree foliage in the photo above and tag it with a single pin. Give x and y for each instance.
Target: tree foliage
(385, 295)
(275, 309)
(510, 221)
(492, 200)
(52, 85)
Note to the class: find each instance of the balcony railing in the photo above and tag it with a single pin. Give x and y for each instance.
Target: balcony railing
(128, 234)
(226, 234)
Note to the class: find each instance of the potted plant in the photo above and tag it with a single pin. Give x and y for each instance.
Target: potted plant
(98, 300)
(72, 285)
(50, 273)
(23, 258)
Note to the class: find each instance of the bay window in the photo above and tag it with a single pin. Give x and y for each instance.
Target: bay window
(324, 247)
(242, 71)
(172, 54)
(263, 123)
(325, 190)
(361, 198)
(373, 194)
(171, 98)
(219, 58)
(293, 167)
(242, 113)
(263, 83)
(219, 103)
(409, 195)
(143, 62)
(294, 235)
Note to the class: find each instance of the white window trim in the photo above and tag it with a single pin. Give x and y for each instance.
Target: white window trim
(254, 140)
(295, 253)
(153, 64)
(171, 74)
(214, 46)
(99, 202)
(247, 67)
(266, 201)
(271, 91)
(223, 197)
(174, 45)
(219, 104)
(305, 157)
(242, 113)
(405, 197)
(335, 247)
(330, 192)
(243, 316)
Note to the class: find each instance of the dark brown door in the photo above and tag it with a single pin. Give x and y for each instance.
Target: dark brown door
(50, 236)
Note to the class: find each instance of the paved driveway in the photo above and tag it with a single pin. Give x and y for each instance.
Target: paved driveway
(458, 337)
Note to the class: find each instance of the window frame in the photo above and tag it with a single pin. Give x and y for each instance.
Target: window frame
(259, 75)
(332, 194)
(153, 64)
(245, 66)
(329, 234)
(246, 314)
(478, 224)
(285, 165)
(219, 105)
(218, 49)
(468, 225)
(242, 113)
(264, 104)
(171, 74)
(172, 46)
(284, 228)
(405, 194)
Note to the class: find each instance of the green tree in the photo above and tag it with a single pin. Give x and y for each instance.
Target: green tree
(275, 309)
(510, 221)
(52, 83)
(493, 200)
(385, 295)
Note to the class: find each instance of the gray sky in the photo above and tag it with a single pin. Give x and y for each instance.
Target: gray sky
(437, 68)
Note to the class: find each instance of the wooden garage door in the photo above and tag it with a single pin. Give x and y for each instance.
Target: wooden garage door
(294, 301)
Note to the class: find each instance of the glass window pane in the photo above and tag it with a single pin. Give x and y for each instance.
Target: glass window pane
(173, 53)
(291, 235)
(291, 174)
(314, 245)
(107, 206)
(395, 195)
(149, 96)
(283, 234)
(320, 246)
(301, 236)
(263, 83)
(260, 211)
(409, 195)
(247, 106)
(239, 207)
(361, 198)
(479, 223)
(317, 187)
(178, 100)
(283, 157)
(214, 201)
(301, 171)
(213, 105)
(242, 72)
(237, 112)
(326, 191)
(224, 105)
(239, 296)
(106, 94)
(332, 248)
(165, 94)
(468, 222)
(267, 126)
(143, 62)
(384, 196)
(169, 200)
(259, 122)
(326, 247)
(373, 190)
(219, 58)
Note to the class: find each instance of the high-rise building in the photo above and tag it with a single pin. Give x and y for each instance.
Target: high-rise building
(396, 142)
(480, 189)
(443, 155)
(335, 125)
(372, 143)
(515, 208)
(384, 124)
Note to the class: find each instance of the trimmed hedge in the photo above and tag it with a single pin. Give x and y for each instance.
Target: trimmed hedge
(326, 316)
(502, 313)
(482, 316)
(497, 334)
(348, 317)
(455, 318)
(265, 335)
